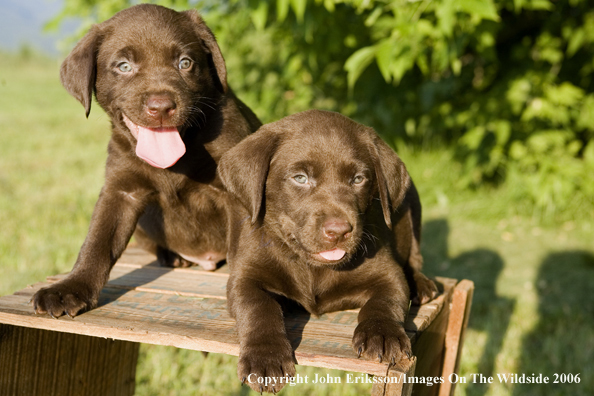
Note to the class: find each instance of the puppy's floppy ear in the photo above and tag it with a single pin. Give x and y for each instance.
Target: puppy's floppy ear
(79, 69)
(244, 168)
(392, 177)
(211, 45)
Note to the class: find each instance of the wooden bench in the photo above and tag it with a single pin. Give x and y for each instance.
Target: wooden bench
(186, 308)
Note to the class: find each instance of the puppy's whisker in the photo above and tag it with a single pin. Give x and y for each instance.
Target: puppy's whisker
(206, 104)
(196, 111)
(372, 238)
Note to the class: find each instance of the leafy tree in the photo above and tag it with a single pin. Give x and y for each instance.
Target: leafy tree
(507, 84)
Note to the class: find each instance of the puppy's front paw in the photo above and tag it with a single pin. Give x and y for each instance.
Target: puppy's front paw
(426, 290)
(381, 339)
(266, 366)
(65, 297)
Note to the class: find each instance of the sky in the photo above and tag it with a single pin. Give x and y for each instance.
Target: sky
(22, 21)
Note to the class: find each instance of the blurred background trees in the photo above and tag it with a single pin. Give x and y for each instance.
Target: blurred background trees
(504, 85)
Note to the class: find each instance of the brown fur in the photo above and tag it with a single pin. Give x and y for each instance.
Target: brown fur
(358, 197)
(181, 209)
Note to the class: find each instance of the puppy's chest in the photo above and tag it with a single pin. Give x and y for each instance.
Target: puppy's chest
(189, 200)
(329, 290)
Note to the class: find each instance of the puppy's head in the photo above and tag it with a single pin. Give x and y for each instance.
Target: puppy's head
(310, 179)
(155, 71)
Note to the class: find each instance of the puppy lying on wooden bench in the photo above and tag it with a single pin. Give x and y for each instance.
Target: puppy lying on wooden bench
(332, 221)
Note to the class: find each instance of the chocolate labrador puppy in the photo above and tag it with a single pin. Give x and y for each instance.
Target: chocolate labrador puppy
(335, 224)
(160, 76)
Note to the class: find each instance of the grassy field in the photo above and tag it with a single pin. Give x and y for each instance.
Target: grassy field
(533, 310)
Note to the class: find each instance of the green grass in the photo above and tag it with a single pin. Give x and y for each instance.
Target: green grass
(533, 311)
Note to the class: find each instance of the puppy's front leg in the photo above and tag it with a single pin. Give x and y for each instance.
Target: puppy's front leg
(113, 221)
(380, 333)
(266, 358)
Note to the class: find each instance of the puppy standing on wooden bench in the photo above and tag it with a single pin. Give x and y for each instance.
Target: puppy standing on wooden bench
(335, 225)
(160, 76)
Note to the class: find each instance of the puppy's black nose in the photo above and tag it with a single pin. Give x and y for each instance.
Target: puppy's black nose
(160, 107)
(336, 229)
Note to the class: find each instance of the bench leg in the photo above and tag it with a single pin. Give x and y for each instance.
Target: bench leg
(42, 362)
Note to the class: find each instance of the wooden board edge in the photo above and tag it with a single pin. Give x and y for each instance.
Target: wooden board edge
(454, 340)
(140, 336)
(187, 342)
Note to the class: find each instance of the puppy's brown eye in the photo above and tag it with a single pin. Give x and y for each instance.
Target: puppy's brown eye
(185, 64)
(358, 179)
(125, 67)
(301, 179)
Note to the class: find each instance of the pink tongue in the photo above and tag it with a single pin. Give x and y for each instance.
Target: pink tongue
(160, 147)
(333, 255)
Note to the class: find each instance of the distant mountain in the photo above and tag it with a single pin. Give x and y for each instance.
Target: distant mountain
(22, 22)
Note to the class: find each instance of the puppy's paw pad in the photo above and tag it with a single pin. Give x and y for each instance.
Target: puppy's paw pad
(266, 368)
(385, 341)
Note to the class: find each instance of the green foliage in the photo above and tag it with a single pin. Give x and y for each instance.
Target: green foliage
(506, 83)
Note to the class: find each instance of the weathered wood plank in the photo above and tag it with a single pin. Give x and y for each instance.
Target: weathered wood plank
(397, 383)
(454, 336)
(183, 282)
(40, 362)
(202, 284)
(192, 323)
(430, 345)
